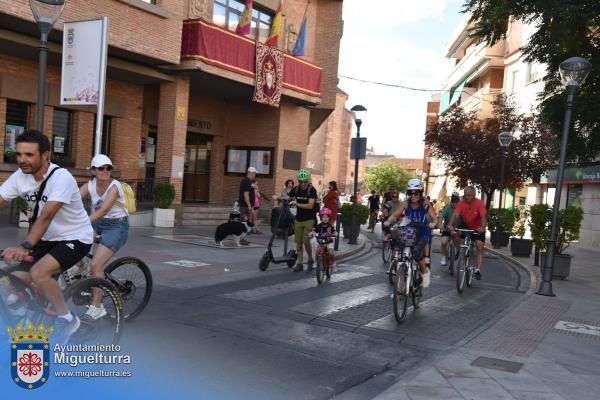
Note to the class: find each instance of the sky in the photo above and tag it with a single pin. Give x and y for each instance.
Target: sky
(398, 42)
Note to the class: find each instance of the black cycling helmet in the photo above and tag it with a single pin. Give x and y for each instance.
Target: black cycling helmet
(388, 206)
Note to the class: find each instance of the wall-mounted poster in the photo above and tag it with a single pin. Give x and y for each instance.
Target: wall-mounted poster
(10, 136)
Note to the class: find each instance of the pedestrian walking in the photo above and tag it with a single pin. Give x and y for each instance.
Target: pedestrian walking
(247, 197)
(331, 200)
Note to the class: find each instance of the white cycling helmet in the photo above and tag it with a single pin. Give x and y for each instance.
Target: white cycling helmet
(414, 184)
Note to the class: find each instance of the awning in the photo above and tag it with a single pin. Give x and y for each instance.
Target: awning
(437, 186)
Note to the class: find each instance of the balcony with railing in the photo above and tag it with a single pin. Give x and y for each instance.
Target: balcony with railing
(218, 51)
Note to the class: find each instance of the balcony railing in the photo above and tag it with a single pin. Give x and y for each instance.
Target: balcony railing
(221, 48)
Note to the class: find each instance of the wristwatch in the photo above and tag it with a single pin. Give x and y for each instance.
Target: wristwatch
(27, 245)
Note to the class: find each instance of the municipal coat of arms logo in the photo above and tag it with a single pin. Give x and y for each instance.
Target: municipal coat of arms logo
(30, 355)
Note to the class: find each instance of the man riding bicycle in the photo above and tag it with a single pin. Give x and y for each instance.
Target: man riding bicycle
(61, 233)
(446, 216)
(473, 214)
(373, 201)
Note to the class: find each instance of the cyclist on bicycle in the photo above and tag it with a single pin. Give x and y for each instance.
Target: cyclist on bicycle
(61, 233)
(415, 209)
(474, 216)
(447, 212)
(325, 229)
(386, 212)
(110, 219)
(373, 202)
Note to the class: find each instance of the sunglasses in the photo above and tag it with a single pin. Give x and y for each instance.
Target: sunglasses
(104, 168)
(413, 193)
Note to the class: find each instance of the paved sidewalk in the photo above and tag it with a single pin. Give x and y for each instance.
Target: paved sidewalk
(543, 348)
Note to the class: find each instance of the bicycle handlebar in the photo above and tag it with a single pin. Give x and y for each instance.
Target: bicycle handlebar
(25, 258)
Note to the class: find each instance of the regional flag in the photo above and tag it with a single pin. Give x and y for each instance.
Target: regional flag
(276, 27)
(243, 27)
(300, 41)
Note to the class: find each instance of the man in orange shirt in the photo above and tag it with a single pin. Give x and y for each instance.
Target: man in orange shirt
(473, 214)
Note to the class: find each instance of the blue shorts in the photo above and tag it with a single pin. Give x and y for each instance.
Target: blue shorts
(114, 232)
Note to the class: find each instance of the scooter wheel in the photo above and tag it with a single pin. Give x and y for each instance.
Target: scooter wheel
(292, 258)
(264, 262)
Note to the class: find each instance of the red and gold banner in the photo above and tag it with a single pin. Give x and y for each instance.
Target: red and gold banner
(269, 75)
(224, 49)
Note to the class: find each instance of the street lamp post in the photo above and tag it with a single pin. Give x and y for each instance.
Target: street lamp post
(428, 159)
(573, 72)
(358, 113)
(46, 13)
(505, 139)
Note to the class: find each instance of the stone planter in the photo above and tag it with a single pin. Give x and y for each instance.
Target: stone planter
(521, 247)
(562, 265)
(163, 217)
(504, 238)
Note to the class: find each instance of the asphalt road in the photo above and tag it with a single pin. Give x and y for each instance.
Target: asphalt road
(277, 334)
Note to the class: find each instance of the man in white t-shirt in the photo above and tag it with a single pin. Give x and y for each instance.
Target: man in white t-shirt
(61, 233)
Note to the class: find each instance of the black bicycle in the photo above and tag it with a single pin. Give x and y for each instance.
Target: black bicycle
(373, 217)
(129, 275)
(464, 267)
(407, 277)
(21, 302)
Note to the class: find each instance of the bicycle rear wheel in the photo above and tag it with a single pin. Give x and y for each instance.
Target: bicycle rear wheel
(386, 251)
(400, 295)
(392, 270)
(105, 330)
(320, 269)
(133, 279)
(451, 256)
(460, 271)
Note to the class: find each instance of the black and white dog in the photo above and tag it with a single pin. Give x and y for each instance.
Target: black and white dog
(237, 229)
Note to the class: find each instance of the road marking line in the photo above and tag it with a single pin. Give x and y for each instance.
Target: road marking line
(342, 301)
(264, 292)
(576, 327)
(187, 263)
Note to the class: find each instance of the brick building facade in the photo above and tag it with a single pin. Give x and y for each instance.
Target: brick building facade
(186, 119)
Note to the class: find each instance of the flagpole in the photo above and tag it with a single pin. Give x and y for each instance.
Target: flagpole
(302, 21)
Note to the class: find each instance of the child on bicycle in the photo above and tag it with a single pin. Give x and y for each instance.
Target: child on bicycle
(326, 229)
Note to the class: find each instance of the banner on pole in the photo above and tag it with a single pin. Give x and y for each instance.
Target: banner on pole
(81, 63)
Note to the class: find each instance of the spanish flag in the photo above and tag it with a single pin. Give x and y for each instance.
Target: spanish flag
(243, 27)
(276, 27)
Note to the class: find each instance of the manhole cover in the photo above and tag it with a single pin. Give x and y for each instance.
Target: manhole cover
(496, 363)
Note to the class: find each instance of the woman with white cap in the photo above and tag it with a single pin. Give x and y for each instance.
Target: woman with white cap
(109, 218)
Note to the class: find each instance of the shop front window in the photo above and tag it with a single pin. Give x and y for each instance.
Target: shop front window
(62, 130)
(16, 123)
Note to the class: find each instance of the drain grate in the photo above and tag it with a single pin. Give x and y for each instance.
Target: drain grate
(496, 363)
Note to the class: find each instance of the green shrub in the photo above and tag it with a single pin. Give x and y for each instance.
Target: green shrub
(362, 213)
(21, 204)
(164, 194)
(507, 219)
(568, 226)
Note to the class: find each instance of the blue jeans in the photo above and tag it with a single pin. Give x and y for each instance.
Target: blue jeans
(114, 232)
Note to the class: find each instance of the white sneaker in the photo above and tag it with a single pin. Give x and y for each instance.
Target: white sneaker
(426, 279)
(444, 261)
(94, 312)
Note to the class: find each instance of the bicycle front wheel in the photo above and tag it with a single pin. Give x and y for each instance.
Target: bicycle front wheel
(105, 330)
(133, 279)
(460, 270)
(451, 257)
(320, 269)
(392, 271)
(400, 296)
(469, 271)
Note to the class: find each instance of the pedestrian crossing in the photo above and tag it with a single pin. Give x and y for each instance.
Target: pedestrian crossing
(359, 298)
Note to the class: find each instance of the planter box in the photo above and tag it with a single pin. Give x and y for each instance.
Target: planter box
(562, 265)
(504, 238)
(521, 247)
(163, 217)
(23, 220)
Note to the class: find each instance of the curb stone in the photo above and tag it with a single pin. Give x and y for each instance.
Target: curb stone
(533, 273)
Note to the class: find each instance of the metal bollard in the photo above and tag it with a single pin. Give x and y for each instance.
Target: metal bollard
(336, 243)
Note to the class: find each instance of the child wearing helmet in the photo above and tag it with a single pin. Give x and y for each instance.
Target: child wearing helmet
(325, 228)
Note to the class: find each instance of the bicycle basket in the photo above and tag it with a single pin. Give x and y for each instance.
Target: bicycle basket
(408, 235)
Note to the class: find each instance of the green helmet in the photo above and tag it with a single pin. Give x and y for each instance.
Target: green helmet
(303, 175)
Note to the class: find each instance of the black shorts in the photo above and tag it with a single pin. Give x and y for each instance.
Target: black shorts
(66, 252)
(446, 232)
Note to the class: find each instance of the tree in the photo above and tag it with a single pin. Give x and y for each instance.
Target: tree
(469, 147)
(565, 28)
(387, 174)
